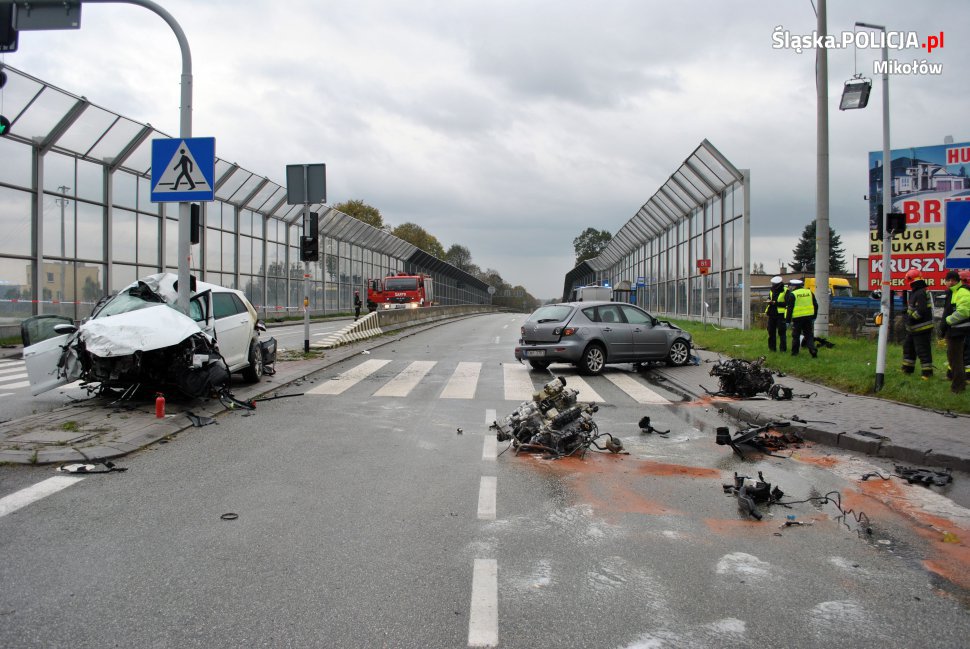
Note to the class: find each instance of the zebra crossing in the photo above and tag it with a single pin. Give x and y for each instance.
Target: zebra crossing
(465, 380)
(13, 376)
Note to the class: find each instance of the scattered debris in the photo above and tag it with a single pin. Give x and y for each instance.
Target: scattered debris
(554, 423)
(924, 477)
(824, 342)
(751, 492)
(199, 421)
(874, 474)
(779, 392)
(229, 516)
(741, 378)
(460, 431)
(93, 467)
(647, 429)
(761, 438)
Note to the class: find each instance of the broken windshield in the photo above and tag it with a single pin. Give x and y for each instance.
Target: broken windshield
(132, 299)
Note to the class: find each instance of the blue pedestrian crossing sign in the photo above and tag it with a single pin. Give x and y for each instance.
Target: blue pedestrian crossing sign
(183, 169)
(958, 234)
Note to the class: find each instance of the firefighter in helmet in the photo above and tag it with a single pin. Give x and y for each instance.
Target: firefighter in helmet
(919, 327)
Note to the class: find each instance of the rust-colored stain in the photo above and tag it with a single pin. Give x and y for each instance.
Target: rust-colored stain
(649, 467)
(736, 526)
(948, 543)
(808, 457)
(610, 484)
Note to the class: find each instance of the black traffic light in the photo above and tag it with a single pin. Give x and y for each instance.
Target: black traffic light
(8, 35)
(195, 223)
(4, 122)
(4, 125)
(312, 227)
(309, 249)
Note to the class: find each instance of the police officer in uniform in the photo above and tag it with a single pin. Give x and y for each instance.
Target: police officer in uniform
(919, 327)
(775, 311)
(801, 312)
(955, 326)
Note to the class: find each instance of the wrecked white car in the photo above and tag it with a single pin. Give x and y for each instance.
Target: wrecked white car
(138, 338)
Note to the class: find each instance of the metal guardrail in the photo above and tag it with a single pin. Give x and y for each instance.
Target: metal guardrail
(380, 322)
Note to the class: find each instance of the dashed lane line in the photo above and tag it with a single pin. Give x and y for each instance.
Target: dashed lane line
(483, 617)
(22, 498)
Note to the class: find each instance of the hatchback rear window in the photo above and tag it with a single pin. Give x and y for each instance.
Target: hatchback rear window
(551, 313)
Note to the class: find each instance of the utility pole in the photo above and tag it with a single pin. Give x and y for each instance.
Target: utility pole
(822, 242)
(63, 203)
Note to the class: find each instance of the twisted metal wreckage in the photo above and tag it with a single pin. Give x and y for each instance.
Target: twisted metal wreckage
(553, 422)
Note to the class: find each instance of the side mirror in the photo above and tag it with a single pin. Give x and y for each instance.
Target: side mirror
(260, 325)
(65, 329)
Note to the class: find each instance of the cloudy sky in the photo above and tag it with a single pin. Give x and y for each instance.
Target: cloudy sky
(510, 126)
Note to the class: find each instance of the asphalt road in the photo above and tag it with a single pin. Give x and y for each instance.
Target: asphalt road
(364, 519)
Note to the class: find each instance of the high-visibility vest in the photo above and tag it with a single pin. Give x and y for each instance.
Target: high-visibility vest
(803, 304)
(780, 303)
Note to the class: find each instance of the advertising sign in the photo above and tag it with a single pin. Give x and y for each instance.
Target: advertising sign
(924, 179)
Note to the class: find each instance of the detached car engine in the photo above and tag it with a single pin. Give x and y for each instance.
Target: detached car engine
(555, 423)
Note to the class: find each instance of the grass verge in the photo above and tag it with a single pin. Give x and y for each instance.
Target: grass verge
(848, 367)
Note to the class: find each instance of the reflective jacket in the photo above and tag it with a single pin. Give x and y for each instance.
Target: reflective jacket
(958, 320)
(777, 298)
(801, 304)
(919, 313)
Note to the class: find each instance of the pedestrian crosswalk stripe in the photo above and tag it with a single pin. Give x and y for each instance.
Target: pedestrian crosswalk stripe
(518, 383)
(586, 393)
(15, 386)
(639, 392)
(353, 376)
(11, 370)
(402, 384)
(463, 382)
(13, 377)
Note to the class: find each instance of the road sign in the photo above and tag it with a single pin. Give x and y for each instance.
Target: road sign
(958, 234)
(183, 169)
(306, 184)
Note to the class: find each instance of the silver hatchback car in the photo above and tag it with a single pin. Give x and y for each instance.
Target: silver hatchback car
(591, 335)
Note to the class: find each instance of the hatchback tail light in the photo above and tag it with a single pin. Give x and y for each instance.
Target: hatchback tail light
(567, 331)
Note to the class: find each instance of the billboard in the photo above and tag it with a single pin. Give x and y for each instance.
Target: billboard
(923, 180)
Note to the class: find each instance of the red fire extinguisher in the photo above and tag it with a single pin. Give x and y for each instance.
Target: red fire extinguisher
(160, 405)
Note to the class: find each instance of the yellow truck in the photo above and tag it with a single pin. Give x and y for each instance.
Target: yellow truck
(838, 286)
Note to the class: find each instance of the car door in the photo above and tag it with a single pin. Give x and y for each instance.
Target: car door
(43, 360)
(648, 342)
(615, 332)
(234, 328)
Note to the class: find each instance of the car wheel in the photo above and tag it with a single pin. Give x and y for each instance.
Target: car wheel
(539, 365)
(679, 353)
(593, 360)
(255, 369)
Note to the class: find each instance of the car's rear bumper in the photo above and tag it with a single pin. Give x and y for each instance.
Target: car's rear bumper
(560, 352)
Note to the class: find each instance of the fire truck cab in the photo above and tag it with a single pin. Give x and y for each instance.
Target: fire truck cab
(400, 292)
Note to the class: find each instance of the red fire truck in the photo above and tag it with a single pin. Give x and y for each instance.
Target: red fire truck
(400, 292)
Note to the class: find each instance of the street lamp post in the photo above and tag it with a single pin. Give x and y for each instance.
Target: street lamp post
(855, 95)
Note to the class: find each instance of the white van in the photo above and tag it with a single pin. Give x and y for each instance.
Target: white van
(593, 293)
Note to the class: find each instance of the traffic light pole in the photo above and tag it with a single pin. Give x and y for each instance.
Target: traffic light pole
(185, 131)
(306, 286)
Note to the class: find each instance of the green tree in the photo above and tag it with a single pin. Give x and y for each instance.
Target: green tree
(362, 212)
(590, 243)
(459, 256)
(804, 253)
(420, 238)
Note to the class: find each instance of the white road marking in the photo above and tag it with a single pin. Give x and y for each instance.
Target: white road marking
(639, 392)
(353, 376)
(462, 383)
(6, 394)
(10, 369)
(24, 497)
(10, 361)
(486, 498)
(490, 416)
(586, 393)
(13, 377)
(402, 384)
(518, 382)
(16, 386)
(483, 617)
(490, 450)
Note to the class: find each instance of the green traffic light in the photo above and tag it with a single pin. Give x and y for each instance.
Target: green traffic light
(4, 125)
